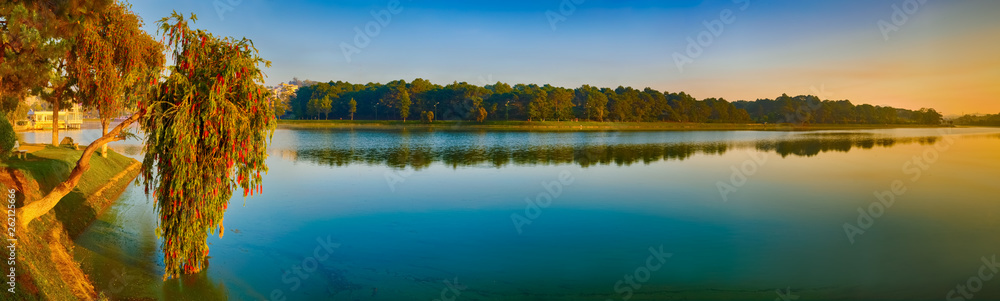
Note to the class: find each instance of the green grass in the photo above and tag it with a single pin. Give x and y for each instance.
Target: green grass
(574, 125)
(40, 276)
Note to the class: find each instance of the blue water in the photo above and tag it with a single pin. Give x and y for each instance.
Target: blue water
(418, 215)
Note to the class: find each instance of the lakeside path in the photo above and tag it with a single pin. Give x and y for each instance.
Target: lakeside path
(571, 126)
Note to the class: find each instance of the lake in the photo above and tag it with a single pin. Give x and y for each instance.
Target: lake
(900, 214)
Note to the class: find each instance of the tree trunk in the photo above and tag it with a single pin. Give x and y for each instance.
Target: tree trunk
(55, 119)
(104, 131)
(40, 207)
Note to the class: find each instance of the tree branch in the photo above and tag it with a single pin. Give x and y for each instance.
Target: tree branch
(30, 212)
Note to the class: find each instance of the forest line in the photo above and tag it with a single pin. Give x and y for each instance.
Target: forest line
(421, 99)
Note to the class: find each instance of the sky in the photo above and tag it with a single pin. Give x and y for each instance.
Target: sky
(902, 53)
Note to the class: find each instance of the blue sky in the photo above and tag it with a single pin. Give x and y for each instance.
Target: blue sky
(943, 55)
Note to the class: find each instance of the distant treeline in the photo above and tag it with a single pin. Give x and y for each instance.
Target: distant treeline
(399, 100)
(984, 120)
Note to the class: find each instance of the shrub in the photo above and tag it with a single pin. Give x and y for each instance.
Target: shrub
(427, 116)
(481, 115)
(7, 136)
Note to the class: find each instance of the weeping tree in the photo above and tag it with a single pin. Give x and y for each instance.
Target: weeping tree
(206, 134)
(117, 64)
(206, 127)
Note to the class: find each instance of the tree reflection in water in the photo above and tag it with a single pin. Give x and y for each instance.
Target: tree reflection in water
(419, 157)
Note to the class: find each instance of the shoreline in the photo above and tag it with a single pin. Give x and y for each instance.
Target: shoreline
(46, 266)
(573, 126)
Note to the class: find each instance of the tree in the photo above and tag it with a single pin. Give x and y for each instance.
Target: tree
(282, 104)
(404, 104)
(353, 107)
(20, 111)
(206, 135)
(620, 103)
(741, 116)
(683, 105)
(311, 107)
(595, 103)
(537, 103)
(36, 46)
(117, 63)
(25, 51)
(7, 137)
(461, 100)
(481, 115)
(300, 102)
(427, 116)
(324, 106)
(561, 100)
(57, 25)
(212, 99)
(70, 21)
(929, 116)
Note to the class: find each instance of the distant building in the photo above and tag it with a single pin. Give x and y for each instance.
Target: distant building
(68, 119)
(283, 89)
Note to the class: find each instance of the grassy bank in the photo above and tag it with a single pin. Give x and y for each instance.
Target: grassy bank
(45, 269)
(576, 126)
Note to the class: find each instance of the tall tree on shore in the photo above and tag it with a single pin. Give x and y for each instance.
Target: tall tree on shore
(352, 108)
(72, 21)
(324, 105)
(561, 100)
(38, 40)
(404, 104)
(117, 64)
(312, 109)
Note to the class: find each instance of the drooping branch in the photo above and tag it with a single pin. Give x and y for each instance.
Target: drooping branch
(32, 211)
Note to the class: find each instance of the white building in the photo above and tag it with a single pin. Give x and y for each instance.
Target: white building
(68, 119)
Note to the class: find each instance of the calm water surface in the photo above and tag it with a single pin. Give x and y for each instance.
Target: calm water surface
(411, 215)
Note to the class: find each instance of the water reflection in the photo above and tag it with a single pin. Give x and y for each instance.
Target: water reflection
(421, 156)
(783, 229)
